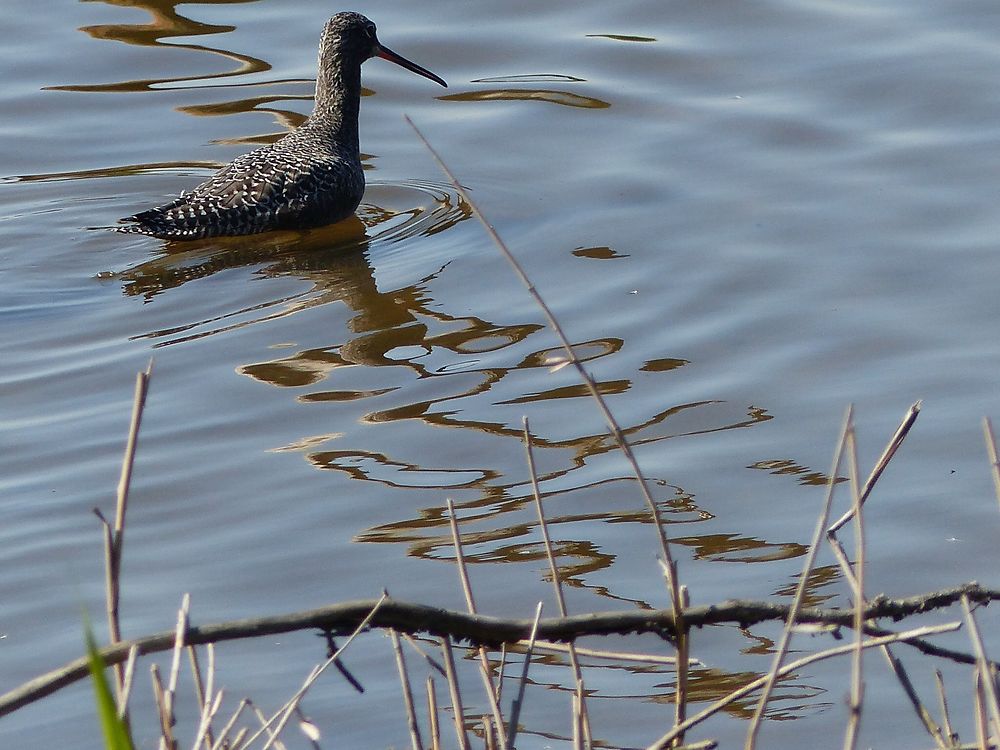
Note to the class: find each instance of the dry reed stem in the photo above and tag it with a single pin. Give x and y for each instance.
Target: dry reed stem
(800, 589)
(432, 714)
(683, 650)
(228, 726)
(681, 660)
(945, 716)
(500, 672)
(890, 450)
(196, 679)
(990, 684)
(431, 661)
(283, 715)
(175, 662)
(596, 653)
(111, 587)
(457, 709)
(553, 567)
(894, 663)
(939, 736)
(404, 678)
(576, 714)
(203, 693)
(484, 662)
(209, 710)
(750, 687)
(579, 708)
(515, 706)
(210, 649)
(237, 742)
(272, 734)
(126, 687)
(489, 739)
(114, 536)
(703, 745)
(614, 428)
(163, 711)
(858, 585)
(841, 556)
(286, 711)
(991, 447)
(982, 728)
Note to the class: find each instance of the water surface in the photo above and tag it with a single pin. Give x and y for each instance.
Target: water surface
(747, 215)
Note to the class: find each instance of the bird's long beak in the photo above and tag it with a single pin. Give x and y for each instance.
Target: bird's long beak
(387, 54)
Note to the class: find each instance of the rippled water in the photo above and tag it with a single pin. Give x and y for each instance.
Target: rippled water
(747, 215)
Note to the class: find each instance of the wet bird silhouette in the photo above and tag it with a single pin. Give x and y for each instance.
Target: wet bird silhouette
(310, 177)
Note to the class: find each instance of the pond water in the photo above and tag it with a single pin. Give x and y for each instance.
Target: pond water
(747, 214)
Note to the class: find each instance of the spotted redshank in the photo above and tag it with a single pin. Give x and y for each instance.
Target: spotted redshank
(310, 177)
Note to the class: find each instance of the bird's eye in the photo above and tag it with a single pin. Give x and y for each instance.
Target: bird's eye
(370, 30)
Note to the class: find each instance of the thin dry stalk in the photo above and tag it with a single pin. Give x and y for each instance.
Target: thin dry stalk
(238, 741)
(272, 734)
(228, 726)
(907, 635)
(564, 648)
(199, 685)
(126, 687)
(577, 718)
(945, 716)
(991, 447)
(500, 671)
(457, 709)
(175, 662)
(857, 584)
(800, 589)
(982, 723)
(432, 714)
(515, 708)
(578, 727)
(404, 679)
(489, 741)
(283, 714)
(553, 568)
(203, 693)
(989, 684)
(923, 713)
(941, 739)
(890, 450)
(166, 719)
(613, 427)
(431, 661)
(114, 536)
(484, 662)
(857, 685)
(209, 710)
(683, 650)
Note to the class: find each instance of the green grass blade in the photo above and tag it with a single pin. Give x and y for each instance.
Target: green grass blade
(116, 736)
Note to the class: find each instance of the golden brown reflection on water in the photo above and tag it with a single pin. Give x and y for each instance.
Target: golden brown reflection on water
(397, 332)
(552, 96)
(166, 23)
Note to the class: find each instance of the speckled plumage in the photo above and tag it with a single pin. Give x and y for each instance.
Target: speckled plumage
(310, 177)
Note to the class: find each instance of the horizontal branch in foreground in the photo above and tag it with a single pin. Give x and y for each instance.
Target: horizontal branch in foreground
(491, 631)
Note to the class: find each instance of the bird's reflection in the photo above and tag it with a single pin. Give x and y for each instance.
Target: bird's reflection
(408, 360)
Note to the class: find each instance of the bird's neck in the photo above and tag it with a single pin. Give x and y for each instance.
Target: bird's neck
(338, 100)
